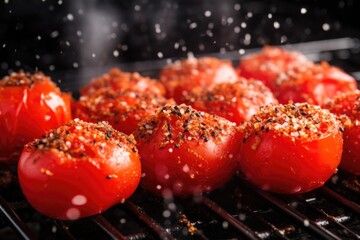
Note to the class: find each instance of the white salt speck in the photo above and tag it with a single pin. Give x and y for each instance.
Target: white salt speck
(79, 200)
(67, 43)
(137, 8)
(73, 213)
(157, 28)
(53, 229)
(160, 55)
(230, 20)
(51, 68)
(186, 168)
(249, 14)
(166, 176)
(193, 25)
(242, 216)
(47, 117)
(303, 10)
(306, 223)
(276, 25)
(70, 17)
(237, 29)
(93, 55)
(60, 2)
(243, 25)
(78, 127)
(231, 156)
(75, 65)
(54, 34)
(225, 225)
(122, 220)
(166, 214)
(78, 33)
(124, 47)
(176, 45)
(207, 13)
(171, 150)
(6, 1)
(326, 27)
(37, 56)
(237, 7)
(269, 16)
(4, 45)
(172, 206)
(39, 37)
(158, 187)
(116, 53)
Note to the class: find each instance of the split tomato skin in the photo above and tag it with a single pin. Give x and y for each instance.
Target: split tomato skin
(78, 170)
(348, 104)
(183, 76)
(285, 156)
(30, 105)
(116, 79)
(236, 101)
(186, 152)
(123, 109)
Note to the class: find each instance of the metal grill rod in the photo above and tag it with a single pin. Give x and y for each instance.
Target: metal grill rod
(340, 199)
(108, 228)
(19, 226)
(64, 230)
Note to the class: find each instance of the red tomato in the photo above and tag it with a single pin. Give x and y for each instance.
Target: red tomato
(123, 109)
(30, 105)
(181, 77)
(312, 83)
(349, 104)
(79, 169)
(269, 63)
(291, 148)
(117, 80)
(185, 152)
(236, 101)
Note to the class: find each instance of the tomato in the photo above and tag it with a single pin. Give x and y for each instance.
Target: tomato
(269, 63)
(185, 152)
(291, 148)
(349, 104)
(30, 104)
(123, 109)
(181, 77)
(79, 169)
(313, 83)
(117, 79)
(236, 101)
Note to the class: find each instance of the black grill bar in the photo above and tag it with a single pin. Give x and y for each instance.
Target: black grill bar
(108, 228)
(279, 233)
(340, 199)
(293, 213)
(64, 229)
(229, 218)
(18, 225)
(148, 221)
(332, 219)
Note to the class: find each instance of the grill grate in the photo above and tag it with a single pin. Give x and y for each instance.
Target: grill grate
(236, 211)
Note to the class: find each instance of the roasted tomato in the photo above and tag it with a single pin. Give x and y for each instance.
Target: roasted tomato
(30, 105)
(79, 169)
(236, 101)
(312, 83)
(186, 152)
(123, 109)
(181, 77)
(291, 148)
(269, 63)
(348, 104)
(116, 79)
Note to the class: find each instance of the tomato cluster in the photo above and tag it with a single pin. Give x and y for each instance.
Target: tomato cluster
(227, 123)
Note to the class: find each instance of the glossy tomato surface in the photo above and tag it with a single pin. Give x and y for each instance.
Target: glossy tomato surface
(186, 152)
(312, 83)
(181, 77)
(30, 105)
(267, 64)
(236, 101)
(117, 80)
(292, 148)
(348, 104)
(123, 109)
(79, 169)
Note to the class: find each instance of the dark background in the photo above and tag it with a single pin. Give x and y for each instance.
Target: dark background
(62, 36)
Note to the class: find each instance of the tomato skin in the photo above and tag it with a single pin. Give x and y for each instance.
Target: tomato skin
(348, 104)
(181, 77)
(123, 109)
(236, 101)
(83, 180)
(313, 83)
(269, 63)
(192, 160)
(117, 80)
(282, 161)
(30, 105)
